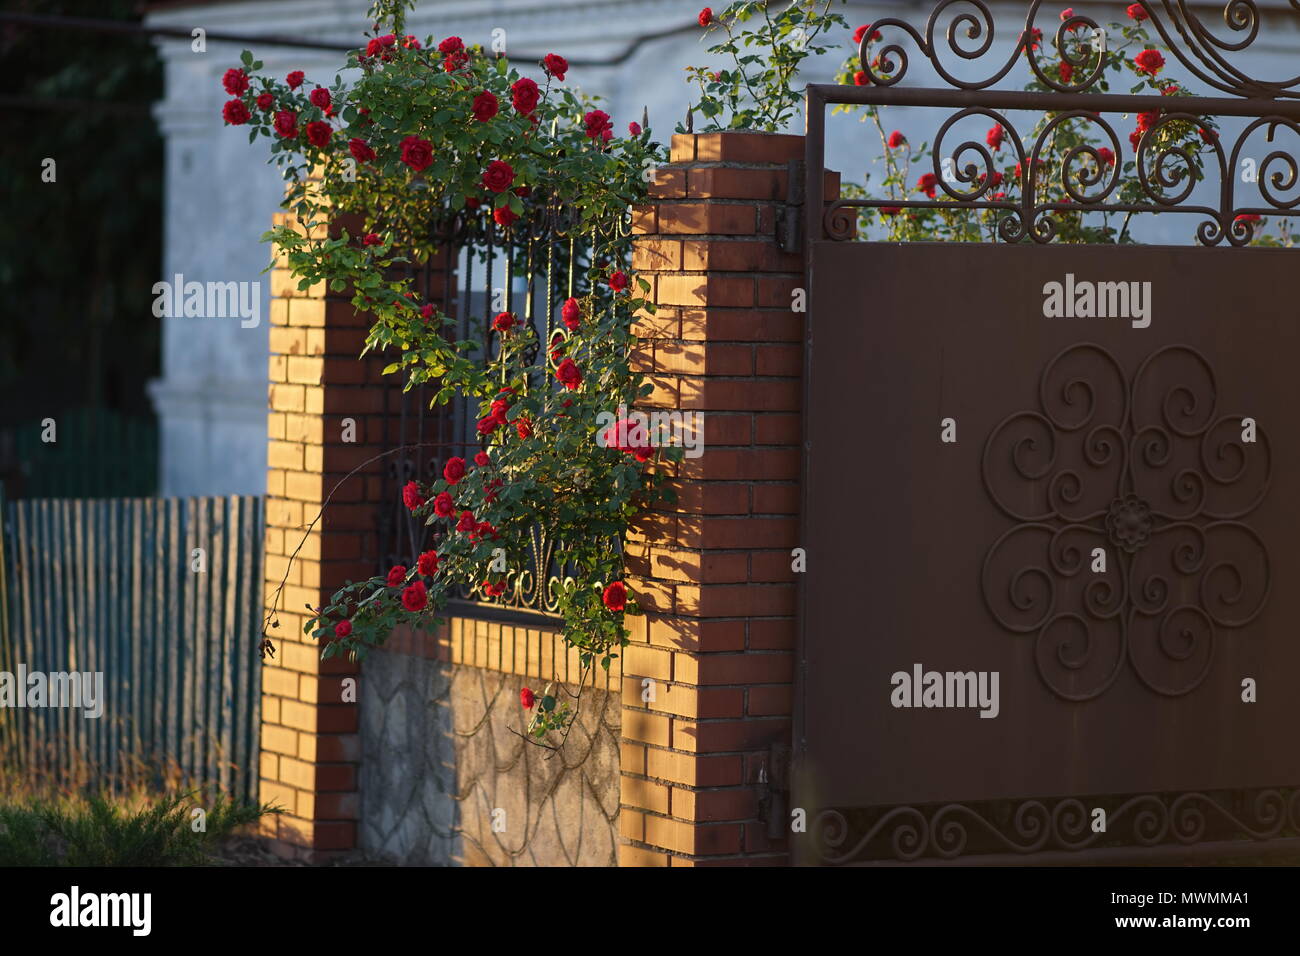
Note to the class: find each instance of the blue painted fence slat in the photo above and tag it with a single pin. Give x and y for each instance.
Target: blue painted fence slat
(109, 585)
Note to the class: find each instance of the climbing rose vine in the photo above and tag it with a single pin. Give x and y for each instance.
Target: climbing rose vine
(436, 132)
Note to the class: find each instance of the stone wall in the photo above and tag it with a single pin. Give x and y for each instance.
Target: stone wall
(441, 751)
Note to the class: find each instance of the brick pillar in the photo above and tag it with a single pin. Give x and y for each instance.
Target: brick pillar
(714, 571)
(310, 745)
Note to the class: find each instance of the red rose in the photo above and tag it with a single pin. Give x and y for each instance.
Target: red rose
(861, 79)
(466, 522)
(1149, 62)
(1147, 119)
(343, 628)
(428, 563)
(706, 16)
(527, 698)
(443, 505)
(504, 321)
(555, 65)
(861, 31)
(494, 590)
(1208, 135)
(524, 428)
(498, 176)
(482, 460)
(454, 470)
(286, 124)
(597, 123)
(994, 137)
(1066, 71)
(320, 97)
(571, 313)
(235, 112)
(396, 575)
(415, 597)
(294, 79)
(265, 101)
(487, 426)
(411, 496)
(1135, 139)
(618, 281)
(634, 129)
(426, 311)
(471, 202)
(1248, 217)
(1036, 38)
(1106, 156)
(629, 437)
(499, 408)
(614, 596)
(410, 42)
(318, 133)
(1137, 12)
(360, 150)
(371, 239)
(927, 183)
(451, 45)
(524, 95)
(485, 106)
(504, 216)
(568, 374)
(890, 210)
(235, 82)
(896, 139)
(417, 153)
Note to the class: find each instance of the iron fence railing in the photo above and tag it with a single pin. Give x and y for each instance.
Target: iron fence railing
(479, 271)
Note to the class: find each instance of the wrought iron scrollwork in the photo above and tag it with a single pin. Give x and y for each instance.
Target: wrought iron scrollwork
(1200, 50)
(1166, 172)
(1027, 827)
(1148, 470)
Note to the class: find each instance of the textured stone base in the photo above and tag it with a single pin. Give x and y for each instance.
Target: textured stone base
(441, 753)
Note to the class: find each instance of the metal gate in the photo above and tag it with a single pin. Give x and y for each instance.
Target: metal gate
(1053, 575)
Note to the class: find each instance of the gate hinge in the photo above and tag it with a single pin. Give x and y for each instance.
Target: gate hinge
(790, 216)
(774, 790)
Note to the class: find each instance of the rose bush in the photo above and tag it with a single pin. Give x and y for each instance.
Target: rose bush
(423, 137)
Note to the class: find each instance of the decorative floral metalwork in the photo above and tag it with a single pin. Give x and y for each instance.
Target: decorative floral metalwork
(1148, 471)
(1199, 51)
(1164, 173)
(1026, 827)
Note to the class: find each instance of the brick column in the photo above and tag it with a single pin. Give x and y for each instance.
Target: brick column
(310, 745)
(714, 571)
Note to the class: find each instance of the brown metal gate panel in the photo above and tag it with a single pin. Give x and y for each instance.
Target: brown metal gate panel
(1141, 412)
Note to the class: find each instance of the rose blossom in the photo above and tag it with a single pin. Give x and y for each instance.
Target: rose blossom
(485, 106)
(454, 470)
(614, 596)
(417, 153)
(235, 82)
(235, 113)
(415, 597)
(498, 176)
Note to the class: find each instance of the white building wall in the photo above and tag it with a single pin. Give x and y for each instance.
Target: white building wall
(220, 192)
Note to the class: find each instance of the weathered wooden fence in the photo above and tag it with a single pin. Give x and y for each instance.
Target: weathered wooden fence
(163, 596)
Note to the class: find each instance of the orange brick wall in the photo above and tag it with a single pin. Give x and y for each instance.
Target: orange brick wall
(714, 571)
(310, 748)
